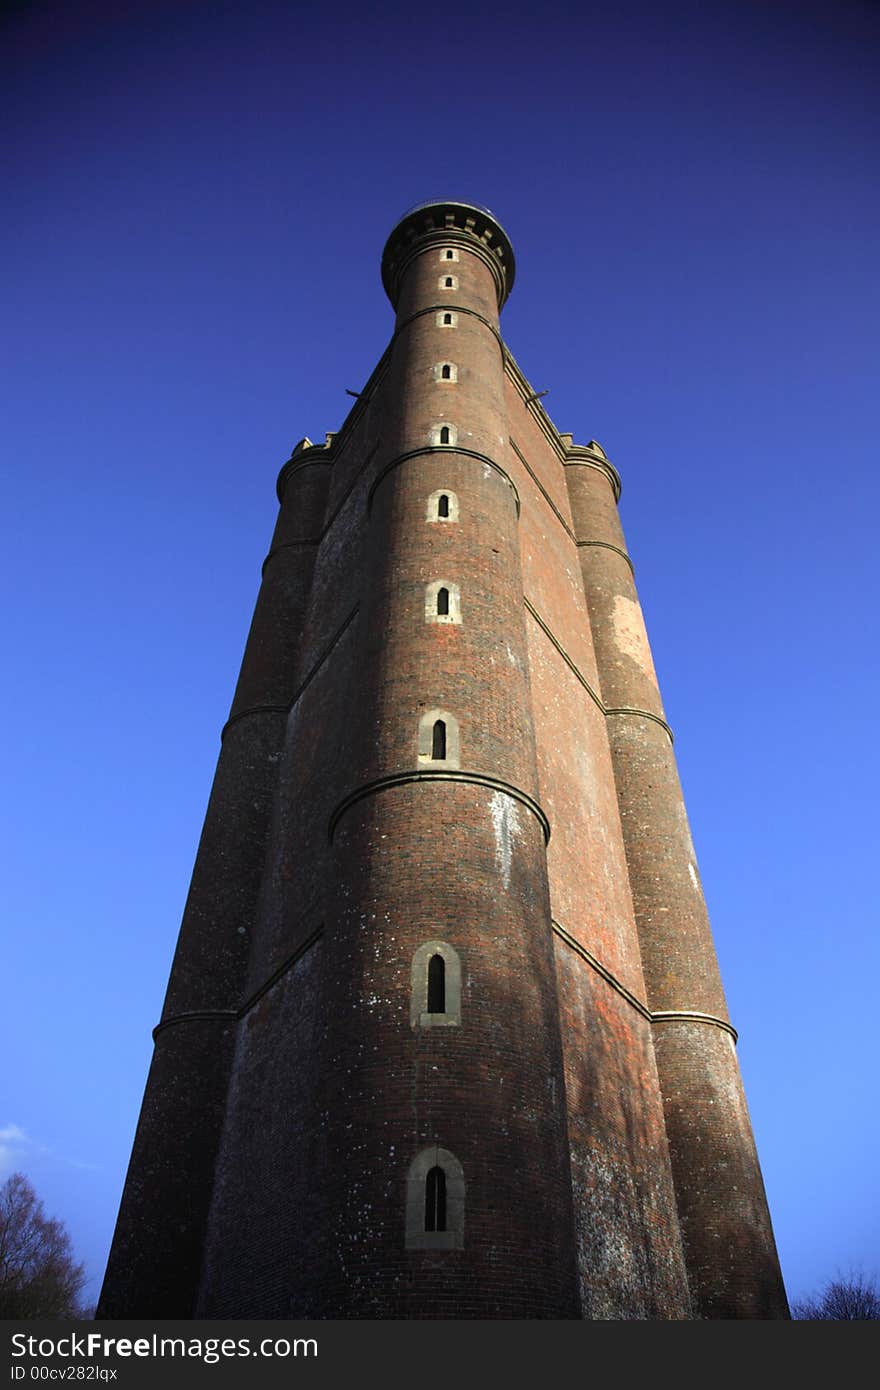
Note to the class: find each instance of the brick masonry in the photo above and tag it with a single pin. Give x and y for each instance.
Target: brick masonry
(587, 1090)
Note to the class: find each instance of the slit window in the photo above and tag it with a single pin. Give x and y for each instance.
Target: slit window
(437, 985)
(442, 605)
(435, 1001)
(450, 255)
(442, 506)
(439, 742)
(449, 282)
(435, 1199)
(446, 372)
(438, 754)
(443, 433)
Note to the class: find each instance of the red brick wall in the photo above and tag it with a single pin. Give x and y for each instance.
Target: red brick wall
(629, 1248)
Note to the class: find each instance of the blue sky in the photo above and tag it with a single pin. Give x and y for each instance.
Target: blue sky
(197, 196)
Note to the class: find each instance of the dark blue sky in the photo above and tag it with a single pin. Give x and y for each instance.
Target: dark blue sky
(196, 200)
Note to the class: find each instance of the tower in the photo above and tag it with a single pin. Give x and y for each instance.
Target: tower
(444, 1034)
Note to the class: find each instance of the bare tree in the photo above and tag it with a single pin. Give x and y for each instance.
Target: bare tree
(856, 1297)
(38, 1275)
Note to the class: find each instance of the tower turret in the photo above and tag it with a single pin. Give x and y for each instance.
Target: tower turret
(439, 840)
(157, 1248)
(718, 1184)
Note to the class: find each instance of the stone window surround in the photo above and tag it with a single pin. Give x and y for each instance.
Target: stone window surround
(431, 592)
(433, 513)
(418, 1012)
(437, 429)
(417, 1238)
(426, 739)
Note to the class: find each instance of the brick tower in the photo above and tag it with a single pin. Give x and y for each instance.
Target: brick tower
(445, 1034)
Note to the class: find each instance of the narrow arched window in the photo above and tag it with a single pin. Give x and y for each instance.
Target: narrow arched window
(449, 282)
(435, 1200)
(450, 255)
(442, 605)
(435, 1197)
(447, 318)
(438, 741)
(443, 433)
(442, 505)
(446, 372)
(435, 1000)
(436, 985)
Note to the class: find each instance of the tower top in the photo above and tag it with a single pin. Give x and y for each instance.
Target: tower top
(447, 222)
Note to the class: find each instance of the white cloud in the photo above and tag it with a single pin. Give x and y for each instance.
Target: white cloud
(19, 1151)
(14, 1147)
